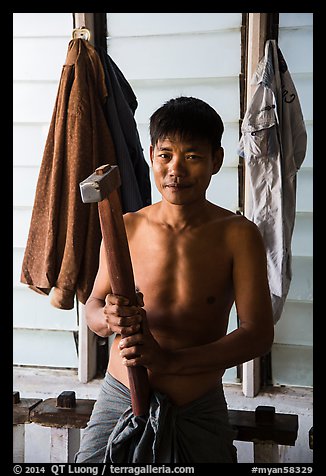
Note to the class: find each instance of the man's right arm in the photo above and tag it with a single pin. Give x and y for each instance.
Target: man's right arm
(107, 313)
(95, 317)
(95, 305)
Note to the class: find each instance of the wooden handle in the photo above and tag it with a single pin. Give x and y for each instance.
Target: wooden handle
(122, 283)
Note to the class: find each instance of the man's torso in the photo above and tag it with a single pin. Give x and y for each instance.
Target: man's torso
(186, 279)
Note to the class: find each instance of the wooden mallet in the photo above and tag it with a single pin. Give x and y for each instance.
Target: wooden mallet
(102, 187)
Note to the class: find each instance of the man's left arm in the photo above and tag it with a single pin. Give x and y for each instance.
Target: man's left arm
(255, 333)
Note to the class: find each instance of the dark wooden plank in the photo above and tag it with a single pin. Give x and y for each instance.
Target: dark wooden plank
(283, 430)
(22, 409)
(49, 414)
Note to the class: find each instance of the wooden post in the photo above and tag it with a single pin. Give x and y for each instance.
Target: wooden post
(250, 377)
(266, 452)
(257, 33)
(19, 443)
(64, 444)
(87, 348)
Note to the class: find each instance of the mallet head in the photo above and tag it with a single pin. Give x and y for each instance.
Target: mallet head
(100, 184)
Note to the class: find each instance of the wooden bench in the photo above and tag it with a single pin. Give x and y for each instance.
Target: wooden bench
(66, 416)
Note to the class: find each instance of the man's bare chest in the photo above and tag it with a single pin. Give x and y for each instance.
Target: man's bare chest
(183, 268)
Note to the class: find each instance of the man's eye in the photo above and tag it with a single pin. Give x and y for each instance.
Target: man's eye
(193, 157)
(163, 156)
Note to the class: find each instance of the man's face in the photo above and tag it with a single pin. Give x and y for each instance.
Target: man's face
(183, 169)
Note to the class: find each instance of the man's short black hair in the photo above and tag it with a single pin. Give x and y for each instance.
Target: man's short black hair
(186, 118)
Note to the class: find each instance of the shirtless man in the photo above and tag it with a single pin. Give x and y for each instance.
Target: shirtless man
(191, 260)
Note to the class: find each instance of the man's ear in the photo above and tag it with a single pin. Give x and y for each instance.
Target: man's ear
(151, 153)
(218, 160)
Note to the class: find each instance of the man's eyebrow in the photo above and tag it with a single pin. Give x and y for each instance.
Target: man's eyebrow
(187, 150)
(165, 148)
(193, 149)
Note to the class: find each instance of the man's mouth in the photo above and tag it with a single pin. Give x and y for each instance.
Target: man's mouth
(177, 186)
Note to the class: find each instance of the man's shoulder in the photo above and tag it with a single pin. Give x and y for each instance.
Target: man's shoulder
(231, 220)
(135, 220)
(138, 215)
(241, 224)
(242, 232)
(235, 226)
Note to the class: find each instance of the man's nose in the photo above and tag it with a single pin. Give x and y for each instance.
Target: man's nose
(177, 167)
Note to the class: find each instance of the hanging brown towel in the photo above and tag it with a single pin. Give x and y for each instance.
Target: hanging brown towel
(64, 237)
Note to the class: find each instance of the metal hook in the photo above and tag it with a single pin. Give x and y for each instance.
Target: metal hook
(82, 33)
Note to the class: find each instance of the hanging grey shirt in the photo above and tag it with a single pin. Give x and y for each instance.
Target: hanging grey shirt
(273, 145)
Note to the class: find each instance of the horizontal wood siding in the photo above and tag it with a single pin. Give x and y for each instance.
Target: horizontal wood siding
(292, 349)
(42, 334)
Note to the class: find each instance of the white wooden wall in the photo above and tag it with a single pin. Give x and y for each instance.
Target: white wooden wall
(162, 55)
(43, 335)
(292, 350)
